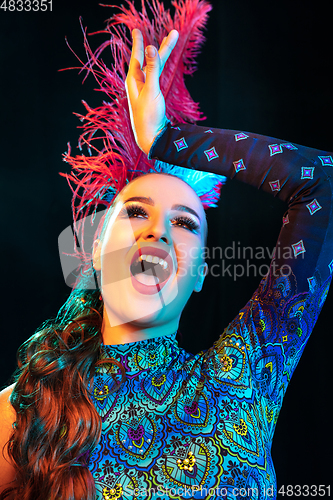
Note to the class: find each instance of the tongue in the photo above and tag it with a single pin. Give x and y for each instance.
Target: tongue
(148, 271)
(147, 279)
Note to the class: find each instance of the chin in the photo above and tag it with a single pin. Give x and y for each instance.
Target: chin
(152, 319)
(136, 317)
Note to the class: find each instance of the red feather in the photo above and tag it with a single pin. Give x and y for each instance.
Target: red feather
(114, 157)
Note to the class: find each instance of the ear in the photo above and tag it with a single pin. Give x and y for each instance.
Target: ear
(203, 271)
(96, 254)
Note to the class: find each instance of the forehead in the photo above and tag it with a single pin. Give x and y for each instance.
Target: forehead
(168, 189)
(162, 187)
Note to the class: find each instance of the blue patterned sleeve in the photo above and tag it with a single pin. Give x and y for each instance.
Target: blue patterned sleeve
(278, 319)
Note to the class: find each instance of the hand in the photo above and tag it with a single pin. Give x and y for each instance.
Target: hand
(145, 99)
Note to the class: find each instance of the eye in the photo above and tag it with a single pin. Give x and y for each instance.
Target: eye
(138, 212)
(133, 211)
(187, 223)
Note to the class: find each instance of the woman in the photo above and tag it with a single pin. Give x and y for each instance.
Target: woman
(192, 426)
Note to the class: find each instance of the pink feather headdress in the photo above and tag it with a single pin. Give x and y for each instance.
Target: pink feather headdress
(114, 158)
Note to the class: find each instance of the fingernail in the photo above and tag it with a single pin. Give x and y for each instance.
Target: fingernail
(150, 51)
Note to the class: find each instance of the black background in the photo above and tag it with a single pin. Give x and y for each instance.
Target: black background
(267, 68)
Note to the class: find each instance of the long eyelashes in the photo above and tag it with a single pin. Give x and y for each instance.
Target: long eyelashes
(134, 211)
(192, 226)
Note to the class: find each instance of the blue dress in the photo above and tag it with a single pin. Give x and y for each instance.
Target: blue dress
(201, 426)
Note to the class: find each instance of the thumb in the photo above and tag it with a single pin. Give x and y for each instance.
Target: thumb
(152, 69)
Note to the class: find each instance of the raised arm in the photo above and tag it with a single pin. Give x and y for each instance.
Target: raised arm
(288, 301)
(282, 312)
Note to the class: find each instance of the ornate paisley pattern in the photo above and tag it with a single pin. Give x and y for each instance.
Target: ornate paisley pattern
(194, 423)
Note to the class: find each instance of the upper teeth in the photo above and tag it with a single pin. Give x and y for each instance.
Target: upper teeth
(155, 260)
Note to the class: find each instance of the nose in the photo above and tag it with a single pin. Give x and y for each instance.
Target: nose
(157, 230)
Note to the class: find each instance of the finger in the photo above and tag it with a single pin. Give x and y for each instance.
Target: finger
(137, 56)
(135, 76)
(152, 85)
(163, 43)
(167, 46)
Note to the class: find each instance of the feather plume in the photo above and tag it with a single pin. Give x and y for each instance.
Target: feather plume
(114, 158)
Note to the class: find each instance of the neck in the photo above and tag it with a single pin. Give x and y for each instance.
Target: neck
(134, 332)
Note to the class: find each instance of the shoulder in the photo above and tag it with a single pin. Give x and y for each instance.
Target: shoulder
(7, 418)
(6, 392)
(6, 409)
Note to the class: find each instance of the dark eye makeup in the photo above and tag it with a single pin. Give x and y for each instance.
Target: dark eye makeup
(135, 211)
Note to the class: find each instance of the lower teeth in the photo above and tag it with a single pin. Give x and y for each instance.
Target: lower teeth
(146, 279)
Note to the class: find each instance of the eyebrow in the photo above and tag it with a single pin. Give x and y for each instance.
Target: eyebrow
(149, 201)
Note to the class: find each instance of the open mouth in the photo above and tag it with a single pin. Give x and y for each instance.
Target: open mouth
(150, 269)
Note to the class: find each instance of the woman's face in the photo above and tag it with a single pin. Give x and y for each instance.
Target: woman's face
(150, 256)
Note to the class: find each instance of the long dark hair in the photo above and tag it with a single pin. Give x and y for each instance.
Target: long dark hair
(57, 425)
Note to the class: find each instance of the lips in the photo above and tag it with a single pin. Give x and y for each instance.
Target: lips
(145, 269)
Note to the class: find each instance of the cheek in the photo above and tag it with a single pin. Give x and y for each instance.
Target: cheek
(189, 257)
(117, 243)
(120, 235)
